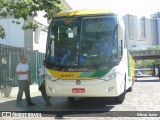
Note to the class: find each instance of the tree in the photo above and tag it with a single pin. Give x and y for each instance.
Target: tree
(146, 63)
(25, 8)
(2, 32)
(157, 47)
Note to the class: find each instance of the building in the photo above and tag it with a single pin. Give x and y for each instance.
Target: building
(131, 33)
(15, 36)
(144, 32)
(139, 32)
(155, 28)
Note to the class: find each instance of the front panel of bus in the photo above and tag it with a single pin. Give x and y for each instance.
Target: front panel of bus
(81, 51)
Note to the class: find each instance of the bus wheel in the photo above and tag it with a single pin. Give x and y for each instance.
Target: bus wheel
(71, 99)
(121, 98)
(129, 89)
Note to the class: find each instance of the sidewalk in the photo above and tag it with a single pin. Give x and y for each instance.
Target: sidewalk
(10, 91)
(9, 103)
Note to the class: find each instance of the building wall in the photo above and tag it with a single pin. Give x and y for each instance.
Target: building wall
(158, 31)
(14, 33)
(155, 28)
(148, 32)
(139, 33)
(143, 27)
(153, 32)
(130, 22)
(28, 36)
(145, 30)
(17, 37)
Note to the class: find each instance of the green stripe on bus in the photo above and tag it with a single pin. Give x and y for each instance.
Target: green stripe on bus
(100, 73)
(86, 74)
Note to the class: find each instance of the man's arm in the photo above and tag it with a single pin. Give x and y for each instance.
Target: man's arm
(18, 70)
(22, 72)
(29, 79)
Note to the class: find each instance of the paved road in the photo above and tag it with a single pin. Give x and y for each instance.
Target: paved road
(144, 97)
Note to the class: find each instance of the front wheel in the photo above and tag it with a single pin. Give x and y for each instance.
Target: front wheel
(71, 99)
(120, 98)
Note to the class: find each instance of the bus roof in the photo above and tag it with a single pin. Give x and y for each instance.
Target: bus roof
(83, 12)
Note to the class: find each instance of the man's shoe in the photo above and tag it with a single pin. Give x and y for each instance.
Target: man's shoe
(31, 104)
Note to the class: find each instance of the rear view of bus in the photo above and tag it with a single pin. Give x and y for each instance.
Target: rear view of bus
(86, 56)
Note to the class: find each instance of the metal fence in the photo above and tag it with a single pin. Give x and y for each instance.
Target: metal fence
(10, 58)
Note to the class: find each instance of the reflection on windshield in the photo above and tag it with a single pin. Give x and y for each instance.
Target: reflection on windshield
(87, 41)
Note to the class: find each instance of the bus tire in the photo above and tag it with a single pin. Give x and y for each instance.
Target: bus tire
(71, 99)
(129, 89)
(121, 97)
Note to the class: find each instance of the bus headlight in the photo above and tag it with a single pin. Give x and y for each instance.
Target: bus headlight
(109, 89)
(50, 77)
(109, 76)
(51, 89)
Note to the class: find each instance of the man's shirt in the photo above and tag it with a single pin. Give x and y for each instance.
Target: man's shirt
(22, 68)
(42, 71)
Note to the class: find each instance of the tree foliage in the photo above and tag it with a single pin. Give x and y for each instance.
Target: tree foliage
(146, 63)
(150, 62)
(25, 8)
(157, 47)
(2, 32)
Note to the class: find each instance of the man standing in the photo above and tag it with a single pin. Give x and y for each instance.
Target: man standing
(23, 73)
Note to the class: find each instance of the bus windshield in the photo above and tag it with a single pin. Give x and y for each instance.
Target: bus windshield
(86, 42)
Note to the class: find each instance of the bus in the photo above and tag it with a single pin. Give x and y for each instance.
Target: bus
(86, 56)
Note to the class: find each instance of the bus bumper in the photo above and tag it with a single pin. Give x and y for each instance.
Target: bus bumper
(86, 88)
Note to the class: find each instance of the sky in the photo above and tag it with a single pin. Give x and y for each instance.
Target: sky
(133, 7)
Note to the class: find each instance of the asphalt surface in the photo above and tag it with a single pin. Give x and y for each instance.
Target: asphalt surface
(142, 103)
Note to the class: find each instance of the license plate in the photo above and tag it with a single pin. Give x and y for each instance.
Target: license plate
(78, 90)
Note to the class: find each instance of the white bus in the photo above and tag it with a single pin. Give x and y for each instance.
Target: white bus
(86, 56)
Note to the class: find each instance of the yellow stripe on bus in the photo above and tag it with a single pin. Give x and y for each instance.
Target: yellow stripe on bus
(83, 12)
(64, 75)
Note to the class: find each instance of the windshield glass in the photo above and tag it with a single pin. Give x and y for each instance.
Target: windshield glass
(98, 40)
(64, 40)
(82, 42)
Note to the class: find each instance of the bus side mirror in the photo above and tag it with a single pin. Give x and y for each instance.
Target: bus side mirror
(120, 32)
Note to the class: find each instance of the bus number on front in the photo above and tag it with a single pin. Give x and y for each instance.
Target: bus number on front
(66, 75)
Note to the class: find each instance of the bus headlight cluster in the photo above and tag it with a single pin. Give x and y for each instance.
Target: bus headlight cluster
(109, 76)
(50, 77)
(109, 89)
